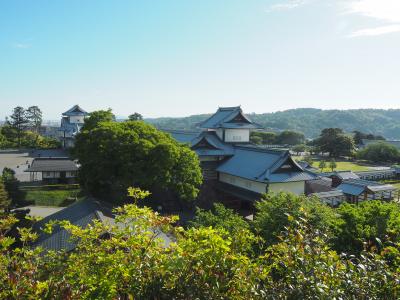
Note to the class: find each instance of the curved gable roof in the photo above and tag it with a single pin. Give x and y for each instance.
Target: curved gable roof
(263, 165)
(76, 110)
(225, 118)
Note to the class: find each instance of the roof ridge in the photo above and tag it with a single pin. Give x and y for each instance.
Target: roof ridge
(263, 150)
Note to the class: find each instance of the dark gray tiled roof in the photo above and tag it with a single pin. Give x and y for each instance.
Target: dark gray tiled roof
(333, 193)
(56, 164)
(183, 136)
(223, 119)
(208, 144)
(356, 187)
(76, 110)
(81, 213)
(262, 165)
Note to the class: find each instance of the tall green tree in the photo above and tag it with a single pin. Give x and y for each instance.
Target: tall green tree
(115, 155)
(19, 122)
(332, 164)
(322, 165)
(35, 118)
(290, 137)
(335, 142)
(135, 117)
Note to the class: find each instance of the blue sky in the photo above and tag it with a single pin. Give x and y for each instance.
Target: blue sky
(183, 57)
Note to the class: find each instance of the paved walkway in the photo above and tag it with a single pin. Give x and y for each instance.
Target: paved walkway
(42, 211)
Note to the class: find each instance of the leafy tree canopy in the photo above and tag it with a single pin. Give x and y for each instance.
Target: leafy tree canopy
(135, 117)
(115, 155)
(289, 137)
(380, 152)
(335, 142)
(271, 215)
(96, 117)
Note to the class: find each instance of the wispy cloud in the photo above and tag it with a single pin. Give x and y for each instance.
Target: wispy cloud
(375, 31)
(387, 11)
(287, 5)
(21, 45)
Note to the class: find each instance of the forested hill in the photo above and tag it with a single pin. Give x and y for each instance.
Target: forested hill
(310, 121)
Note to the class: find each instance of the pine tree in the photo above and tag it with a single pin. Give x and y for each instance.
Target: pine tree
(18, 121)
(34, 117)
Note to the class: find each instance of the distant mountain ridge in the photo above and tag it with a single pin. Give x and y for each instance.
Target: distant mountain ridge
(310, 121)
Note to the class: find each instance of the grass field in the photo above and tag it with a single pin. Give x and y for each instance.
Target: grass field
(50, 196)
(344, 166)
(341, 165)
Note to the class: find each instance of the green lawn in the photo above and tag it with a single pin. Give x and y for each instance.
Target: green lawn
(344, 166)
(341, 165)
(50, 196)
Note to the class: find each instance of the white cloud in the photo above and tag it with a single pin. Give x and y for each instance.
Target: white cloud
(387, 11)
(21, 45)
(376, 31)
(287, 5)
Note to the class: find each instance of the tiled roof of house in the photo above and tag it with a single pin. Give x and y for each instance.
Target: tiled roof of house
(82, 213)
(356, 187)
(76, 110)
(263, 165)
(183, 136)
(225, 118)
(208, 144)
(52, 164)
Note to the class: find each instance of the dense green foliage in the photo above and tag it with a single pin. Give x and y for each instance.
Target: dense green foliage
(310, 121)
(11, 185)
(115, 155)
(369, 224)
(228, 221)
(380, 152)
(335, 142)
(286, 137)
(263, 138)
(271, 215)
(97, 117)
(359, 136)
(21, 129)
(204, 262)
(4, 198)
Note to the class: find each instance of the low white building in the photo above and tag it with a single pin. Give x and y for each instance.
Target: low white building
(53, 170)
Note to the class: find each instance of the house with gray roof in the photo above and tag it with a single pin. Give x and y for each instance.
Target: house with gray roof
(71, 123)
(82, 213)
(53, 170)
(358, 190)
(240, 168)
